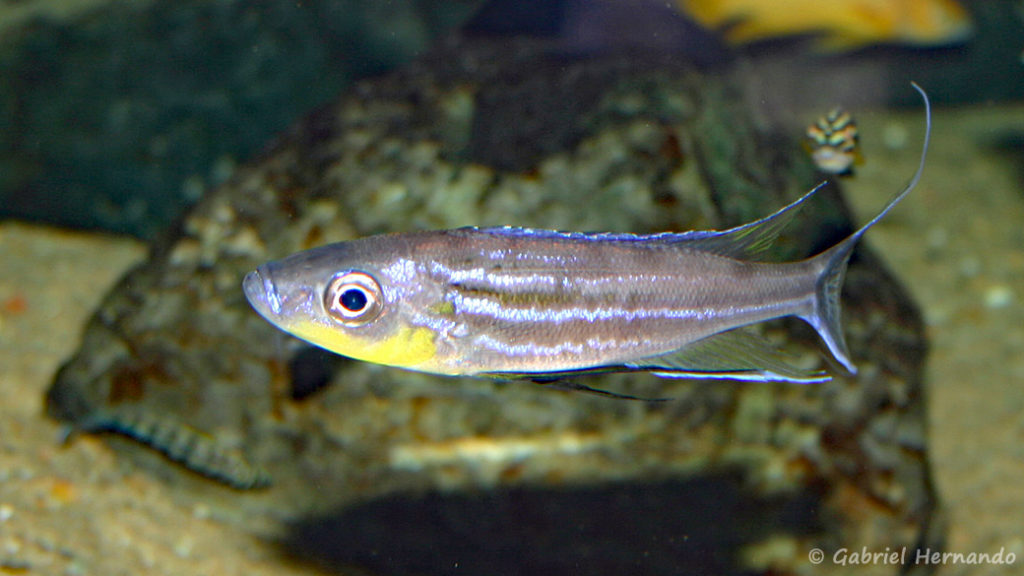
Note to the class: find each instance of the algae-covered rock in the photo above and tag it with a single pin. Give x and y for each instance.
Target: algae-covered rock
(422, 472)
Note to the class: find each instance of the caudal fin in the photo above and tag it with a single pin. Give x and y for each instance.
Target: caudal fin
(826, 316)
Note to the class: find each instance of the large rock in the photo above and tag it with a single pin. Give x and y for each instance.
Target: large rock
(401, 472)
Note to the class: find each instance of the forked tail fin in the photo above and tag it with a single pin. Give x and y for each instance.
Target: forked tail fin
(826, 317)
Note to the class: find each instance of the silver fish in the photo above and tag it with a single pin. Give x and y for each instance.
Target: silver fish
(541, 304)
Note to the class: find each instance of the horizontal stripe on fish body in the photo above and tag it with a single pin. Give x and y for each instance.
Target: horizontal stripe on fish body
(549, 302)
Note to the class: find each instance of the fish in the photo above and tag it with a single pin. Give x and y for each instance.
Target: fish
(833, 142)
(839, 24)
(180, 443)
(545, 305)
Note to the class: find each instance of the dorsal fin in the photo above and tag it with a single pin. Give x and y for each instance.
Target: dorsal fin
(745, 242)
(751, 240)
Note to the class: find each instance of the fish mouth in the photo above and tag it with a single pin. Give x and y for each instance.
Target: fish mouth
(260, 291)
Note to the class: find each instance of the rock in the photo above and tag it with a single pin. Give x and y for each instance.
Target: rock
(399, 472)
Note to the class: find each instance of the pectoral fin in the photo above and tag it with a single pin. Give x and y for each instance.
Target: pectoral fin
(734, 355)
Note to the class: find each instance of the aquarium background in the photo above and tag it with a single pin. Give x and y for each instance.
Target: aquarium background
(117, 117)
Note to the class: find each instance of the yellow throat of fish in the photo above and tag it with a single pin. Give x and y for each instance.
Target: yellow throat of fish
(407, 347)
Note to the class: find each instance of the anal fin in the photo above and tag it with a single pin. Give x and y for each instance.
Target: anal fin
(734, 355)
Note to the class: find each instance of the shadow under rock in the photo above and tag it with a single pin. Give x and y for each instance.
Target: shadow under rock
(693, 526)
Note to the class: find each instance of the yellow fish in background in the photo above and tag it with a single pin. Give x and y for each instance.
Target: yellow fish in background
(841, 24)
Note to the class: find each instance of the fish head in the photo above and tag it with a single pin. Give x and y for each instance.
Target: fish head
(360, 299)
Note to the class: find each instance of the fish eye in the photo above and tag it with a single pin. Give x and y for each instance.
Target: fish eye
(353, 298)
